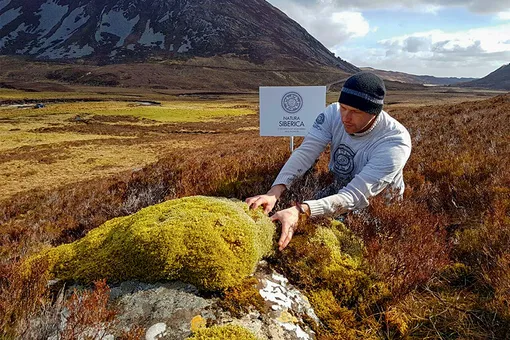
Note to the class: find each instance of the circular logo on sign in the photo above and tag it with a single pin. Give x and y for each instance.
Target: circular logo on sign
(292, 102)
(320, 119)
(344, 161)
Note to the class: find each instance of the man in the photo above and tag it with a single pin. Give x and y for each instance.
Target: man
(369, 149)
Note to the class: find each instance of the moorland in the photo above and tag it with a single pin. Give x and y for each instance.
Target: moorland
(90, 154)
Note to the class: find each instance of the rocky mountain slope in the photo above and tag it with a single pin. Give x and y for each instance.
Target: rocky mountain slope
(417, 79)
(112, 31)
(497, 80)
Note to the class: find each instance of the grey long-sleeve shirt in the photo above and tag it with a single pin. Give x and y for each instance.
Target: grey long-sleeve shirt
(363, 164)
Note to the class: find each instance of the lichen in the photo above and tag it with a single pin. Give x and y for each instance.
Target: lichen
(212, 243)
(226, 332)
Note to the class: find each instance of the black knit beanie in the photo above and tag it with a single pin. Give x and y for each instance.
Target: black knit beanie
(364, 91)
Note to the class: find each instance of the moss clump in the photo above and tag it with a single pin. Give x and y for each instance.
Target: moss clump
(337, 320)
(326, 261)
(327, 257)
(227, 332)
(212, 243)
(239, 300)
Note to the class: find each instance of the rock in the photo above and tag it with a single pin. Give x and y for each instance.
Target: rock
(180, 308)
(156, 331)
(288, 307)
(173, 305)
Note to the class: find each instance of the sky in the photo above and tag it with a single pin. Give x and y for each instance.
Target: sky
(443, 38)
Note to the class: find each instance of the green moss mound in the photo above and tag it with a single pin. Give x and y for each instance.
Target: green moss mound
(327, 256)
(228, 332)
(326, 262)
(212, 243)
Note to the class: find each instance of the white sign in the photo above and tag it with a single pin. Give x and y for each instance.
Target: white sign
(290, 111)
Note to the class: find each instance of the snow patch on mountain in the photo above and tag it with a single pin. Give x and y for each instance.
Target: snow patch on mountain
(126, 30)
(9, 16)
(149, 38)
(70, 24)
(50, 14)
(186, 46)
(165, 17)
(13, 35)
(114, 22)
(3, 4)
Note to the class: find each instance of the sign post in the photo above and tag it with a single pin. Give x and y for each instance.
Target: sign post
(290, 111)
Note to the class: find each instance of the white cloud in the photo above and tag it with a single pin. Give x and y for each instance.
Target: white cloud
(471, 53)
(328, 25)
(473, 42)
(468, 53)
(428, 8)
(477, 6)
(504, 15)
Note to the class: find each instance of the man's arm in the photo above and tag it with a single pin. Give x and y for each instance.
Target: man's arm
(300, 161)
(381, 169)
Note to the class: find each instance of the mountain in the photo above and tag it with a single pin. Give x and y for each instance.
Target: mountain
(497, 80)
(416, 79)
(113, 31)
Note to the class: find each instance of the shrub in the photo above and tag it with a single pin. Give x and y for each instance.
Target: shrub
(89, 315)
(405, 243)
(22, 296)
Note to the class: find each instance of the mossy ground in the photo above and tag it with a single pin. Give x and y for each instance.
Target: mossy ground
(226, 332)
(471, 137)
(212, 243)
(326, 261)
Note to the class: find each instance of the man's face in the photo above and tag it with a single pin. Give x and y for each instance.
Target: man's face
(355, 120)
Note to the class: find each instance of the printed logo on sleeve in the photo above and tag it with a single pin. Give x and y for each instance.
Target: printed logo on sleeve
(319, 121)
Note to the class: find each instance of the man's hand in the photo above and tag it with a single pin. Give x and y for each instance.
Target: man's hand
(289, 219)
(268, 200)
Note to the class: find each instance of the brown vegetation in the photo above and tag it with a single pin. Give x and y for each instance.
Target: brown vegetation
(219, 74)
(441, 257)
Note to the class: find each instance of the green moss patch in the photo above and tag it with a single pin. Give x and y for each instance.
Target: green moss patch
(326, 262)
(227, 332)
(212, 243)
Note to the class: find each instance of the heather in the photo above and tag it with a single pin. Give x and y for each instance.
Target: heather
(434, 265)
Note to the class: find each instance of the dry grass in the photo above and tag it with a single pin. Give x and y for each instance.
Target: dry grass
(68, 142)
(174, 111)
(83, 162)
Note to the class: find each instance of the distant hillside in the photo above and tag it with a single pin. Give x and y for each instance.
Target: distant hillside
(415, 79)
(213, 74)
(497, 80)
(113, 31)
